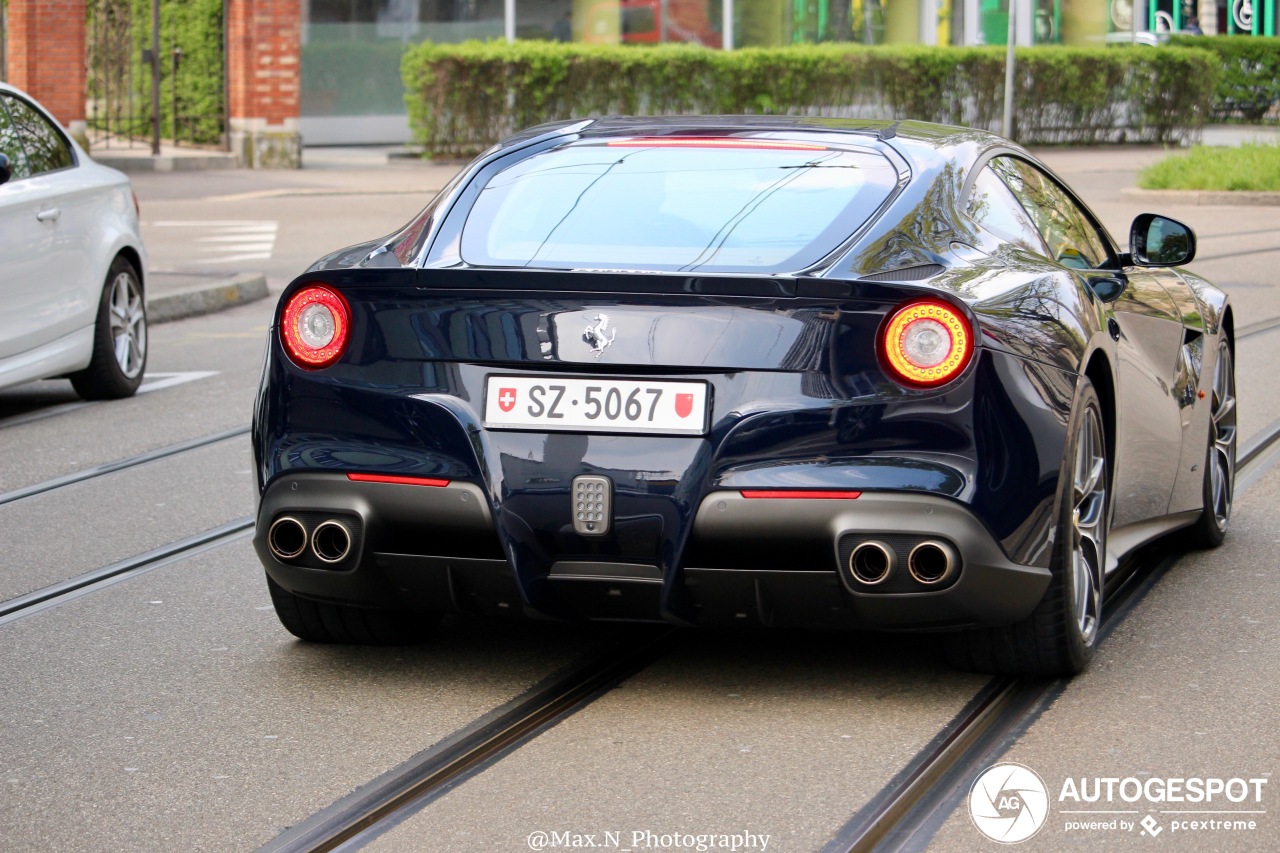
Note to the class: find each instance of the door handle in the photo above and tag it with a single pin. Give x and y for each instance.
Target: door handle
(50, 215)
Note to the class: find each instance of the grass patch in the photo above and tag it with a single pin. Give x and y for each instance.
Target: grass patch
(1251, 166)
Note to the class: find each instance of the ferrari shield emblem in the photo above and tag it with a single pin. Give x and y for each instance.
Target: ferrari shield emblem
(684, 405)
(506, 399)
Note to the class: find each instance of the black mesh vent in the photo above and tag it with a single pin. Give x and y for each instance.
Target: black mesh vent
(919, 273)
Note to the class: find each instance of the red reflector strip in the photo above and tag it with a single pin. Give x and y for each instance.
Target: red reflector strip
(712, 142)
(399, 481)
(801, 494)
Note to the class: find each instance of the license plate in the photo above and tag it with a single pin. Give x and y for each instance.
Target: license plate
(547, 403)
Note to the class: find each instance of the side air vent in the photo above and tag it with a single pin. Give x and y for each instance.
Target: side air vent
(918, 273)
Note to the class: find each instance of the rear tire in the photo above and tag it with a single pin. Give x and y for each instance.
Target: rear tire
(1060, 635)
(1220, 457)
(119, 338)
(319, 622)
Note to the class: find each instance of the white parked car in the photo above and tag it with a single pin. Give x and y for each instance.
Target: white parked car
(74, 267)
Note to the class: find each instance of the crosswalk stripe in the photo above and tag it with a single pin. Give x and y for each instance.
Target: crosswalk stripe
(230, 240)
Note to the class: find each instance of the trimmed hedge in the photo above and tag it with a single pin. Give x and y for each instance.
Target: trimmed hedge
(464, 97)
(1249, 85)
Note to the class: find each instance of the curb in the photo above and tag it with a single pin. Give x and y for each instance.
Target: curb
(206, 298)
(1203, 197)
(134, 164)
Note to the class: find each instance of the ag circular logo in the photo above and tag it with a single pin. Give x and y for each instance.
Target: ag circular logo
(1009, 803)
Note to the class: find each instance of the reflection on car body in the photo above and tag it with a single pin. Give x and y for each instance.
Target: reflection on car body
(854, 374)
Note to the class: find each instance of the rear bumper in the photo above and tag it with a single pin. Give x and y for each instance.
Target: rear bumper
(441, 549)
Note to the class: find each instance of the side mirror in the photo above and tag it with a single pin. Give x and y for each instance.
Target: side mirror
(1157, 241)
(5, 172)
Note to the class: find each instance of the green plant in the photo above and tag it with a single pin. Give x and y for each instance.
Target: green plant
(195, 27)
(1249, 85)
(464, 97)
(1247, 167)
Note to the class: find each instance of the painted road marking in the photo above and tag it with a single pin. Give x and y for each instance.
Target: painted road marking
(160, 381)
(229, 240)
(152, 382)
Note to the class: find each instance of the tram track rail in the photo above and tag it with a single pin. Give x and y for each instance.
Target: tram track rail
(121, 464)
(383, 803)
(68, 590)
(50, 596)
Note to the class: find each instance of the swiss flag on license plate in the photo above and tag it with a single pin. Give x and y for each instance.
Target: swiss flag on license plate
(684, 405)
(506, 399)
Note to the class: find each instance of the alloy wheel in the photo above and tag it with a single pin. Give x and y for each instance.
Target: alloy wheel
(128, 324)
(1088, 525)
(1222, 437)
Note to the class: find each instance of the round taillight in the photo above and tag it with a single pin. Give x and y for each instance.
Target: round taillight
(315, 326)
(927, 343)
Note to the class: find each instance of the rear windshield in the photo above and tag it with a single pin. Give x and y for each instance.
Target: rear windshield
(675, 205)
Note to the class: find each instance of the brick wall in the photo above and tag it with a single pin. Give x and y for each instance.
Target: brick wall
(46, 55)
(264, 42)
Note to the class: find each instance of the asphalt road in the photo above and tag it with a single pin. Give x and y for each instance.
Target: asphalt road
(171, 711)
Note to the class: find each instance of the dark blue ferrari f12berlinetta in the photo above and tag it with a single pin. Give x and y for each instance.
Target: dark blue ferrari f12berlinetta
(744, 371)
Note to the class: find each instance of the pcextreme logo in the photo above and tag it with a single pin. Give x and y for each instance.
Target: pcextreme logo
(1009, 803)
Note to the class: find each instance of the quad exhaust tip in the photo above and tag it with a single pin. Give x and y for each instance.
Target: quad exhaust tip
(287, 538)
(872, 562)
(331, 541)
(933, 562)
